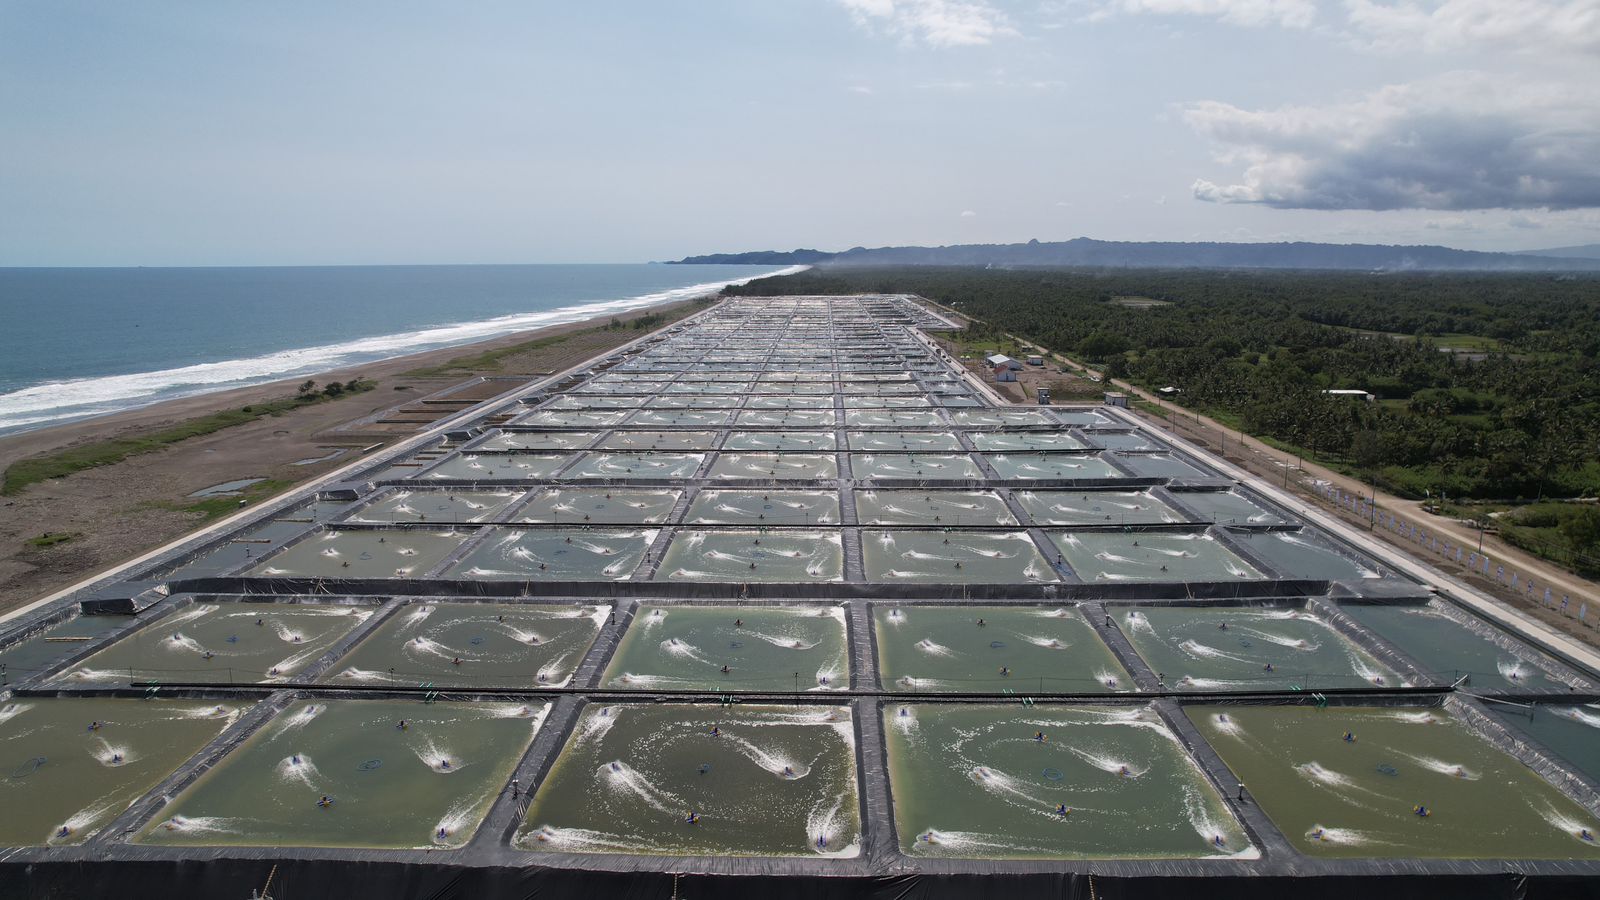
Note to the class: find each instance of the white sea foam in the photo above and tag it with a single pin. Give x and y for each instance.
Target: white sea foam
(76, 398)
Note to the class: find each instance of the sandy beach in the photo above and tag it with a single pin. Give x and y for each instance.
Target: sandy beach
(111, 513)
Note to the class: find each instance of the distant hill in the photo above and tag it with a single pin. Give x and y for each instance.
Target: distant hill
(1122, 254)
(758, 258)
(1582, 251)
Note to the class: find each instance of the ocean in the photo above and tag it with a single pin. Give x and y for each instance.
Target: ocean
(76, 343)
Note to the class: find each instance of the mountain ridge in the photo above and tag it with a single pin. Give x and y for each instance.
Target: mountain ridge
(1085, 251)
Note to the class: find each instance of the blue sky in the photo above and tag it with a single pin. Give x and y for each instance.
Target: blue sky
(402, 132)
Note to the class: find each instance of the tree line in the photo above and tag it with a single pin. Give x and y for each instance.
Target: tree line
(1487, 384)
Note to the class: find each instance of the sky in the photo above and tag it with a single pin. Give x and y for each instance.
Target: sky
(286, 133)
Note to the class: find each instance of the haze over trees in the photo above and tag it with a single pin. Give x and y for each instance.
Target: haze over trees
(1487, 385)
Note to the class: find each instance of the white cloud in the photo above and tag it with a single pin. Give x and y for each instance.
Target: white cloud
(1287, 13)
(937, 23)
(859, 89)
(1527, 26)
(1251, 13)
(1456, 142)
(967, 214)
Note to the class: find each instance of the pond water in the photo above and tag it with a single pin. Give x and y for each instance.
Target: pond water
(703, 780)
(1348, 781)
(765, 648)
(1050, 782)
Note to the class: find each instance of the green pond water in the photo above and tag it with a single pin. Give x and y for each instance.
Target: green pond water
(1136, 441)
(972, 557)
(1347, 781)
(1096, 508)
(566, 418)
(338, 553)
(999, 418)
(680, 417)
(538, 440)
(639, 464)
(766, 648)
(779, 440)
(658, 440)
(892, 418)
(775, 465)
(755, 555)
(40, 651)
(702, 401)
(474, 645)
(1228, 508)
(223, 642)
(1023, 441)
(57, 772)
(475, 466)
(556, 554)
(885, 401)
(907, 441)
(1571, 731)
(789, 402)
(1161, 465)
(763, 507)
(599, 506)
(944, 649)
(801, 388)
(583, 401)
(1226, 648)
(1083, 418)
(771, 418)
(442, 507)
(692, 386)
(1448, 648)
(426, 785)
(1305, 555)
(932, 508)
(914, 465)
(1052, 465)
(239, 552)
(1149, 556)
(759, 781)
(1050, 782)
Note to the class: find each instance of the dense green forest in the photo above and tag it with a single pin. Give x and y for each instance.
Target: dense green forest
(1487, 384)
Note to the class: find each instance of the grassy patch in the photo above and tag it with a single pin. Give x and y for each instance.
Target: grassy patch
(1136, 302)
(62, 463)
(217, 507)
(1457, 341)
(52, 538)
(491, 360)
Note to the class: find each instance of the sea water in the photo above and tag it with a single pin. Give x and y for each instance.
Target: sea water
(84, 342)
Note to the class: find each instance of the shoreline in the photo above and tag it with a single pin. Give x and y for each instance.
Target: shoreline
(23, 444)
(106, 515)
(62, 402)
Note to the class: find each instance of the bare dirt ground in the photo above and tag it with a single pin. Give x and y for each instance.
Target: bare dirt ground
(116, 512)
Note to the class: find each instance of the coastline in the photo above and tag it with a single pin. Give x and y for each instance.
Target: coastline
(112, 513)
(23, 444)
(64, 397)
